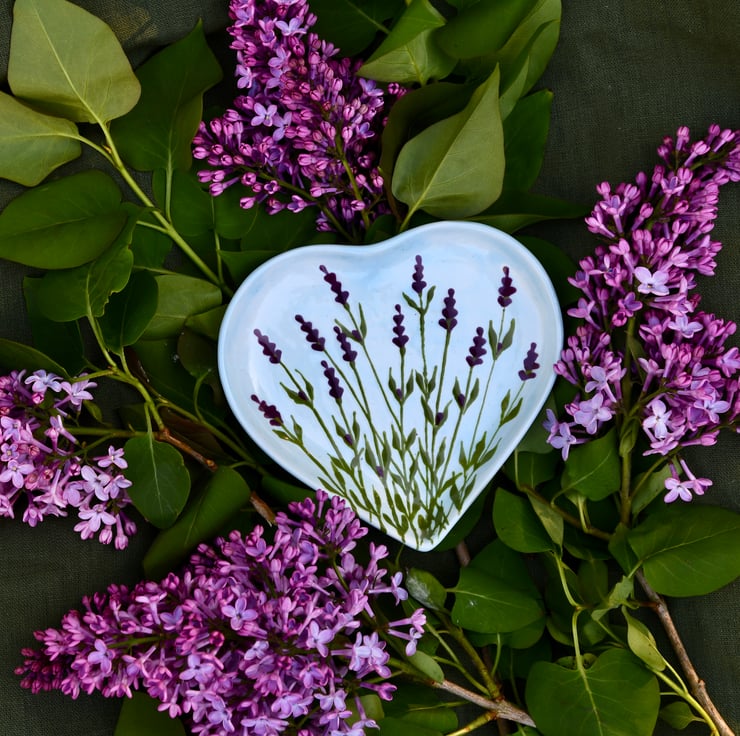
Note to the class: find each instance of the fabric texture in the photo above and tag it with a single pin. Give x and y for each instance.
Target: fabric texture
(626, 73)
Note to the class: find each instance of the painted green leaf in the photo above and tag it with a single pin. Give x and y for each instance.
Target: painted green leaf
(158, 132)
(351, 25)
(615, 696)
(139, 716)
(490, 605)
(160, 483)
(225, 493)
(688, 550)
(64, 223)
(48, 68)
(129, 312)
(444, 170)
(525, 135)
(594, 469)
(32, 144)
(66, 295)
(517, 525)
(410, 53)
(179, 297)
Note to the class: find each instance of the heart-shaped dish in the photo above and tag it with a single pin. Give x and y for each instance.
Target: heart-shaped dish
(399, 375)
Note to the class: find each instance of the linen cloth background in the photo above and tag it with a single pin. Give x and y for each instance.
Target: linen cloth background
(626, 73)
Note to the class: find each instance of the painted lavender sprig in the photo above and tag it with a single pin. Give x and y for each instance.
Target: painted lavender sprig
(401, 432)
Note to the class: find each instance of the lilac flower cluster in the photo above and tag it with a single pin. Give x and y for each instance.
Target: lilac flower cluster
(253, 637)
(644, 348)
(299, 134)
(41, 461)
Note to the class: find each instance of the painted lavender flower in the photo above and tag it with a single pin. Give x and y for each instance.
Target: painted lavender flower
(302, 133)
(405, 441)
(263, 634)
(670, 367)
(42, 464)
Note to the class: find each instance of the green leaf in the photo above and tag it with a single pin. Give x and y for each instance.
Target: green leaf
(197, 354)
(594, 468)
(129, 312)
(490, 605)
(140, 717)
(525, 135)
(62, 224)
(642, 643)
(158, 132)
(67, 295)
(551, 520)
(531, 469)
(32, 144)
(225, 493)
(16, 356)
(426, 589)
(555, 261)
(679, 715)
(410, 54)
(191, 207)
(426, 665)
(69, 63)
(179, 297)
(517, 525)
(352, 26)
(403, 727)
(688, 550)
(160, 483)
(615, 696)
(444, 170)
(649, 489)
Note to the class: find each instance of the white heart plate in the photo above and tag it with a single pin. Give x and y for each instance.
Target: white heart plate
(407, 469)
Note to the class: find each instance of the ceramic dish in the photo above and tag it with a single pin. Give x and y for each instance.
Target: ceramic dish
(369, 370)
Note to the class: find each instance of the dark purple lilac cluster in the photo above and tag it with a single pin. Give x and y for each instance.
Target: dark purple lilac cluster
(639, 289)
(42, 463)
(254, 636)
(306, 130)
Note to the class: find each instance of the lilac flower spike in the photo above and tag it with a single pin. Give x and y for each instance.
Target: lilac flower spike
(506, 290)
(417, 280)
(255, 634)
(305, 122)
(340, 296)
(477, 349)
(449, 313)
(656, 241)
(530, 364)
(399, 330)
(268, 348)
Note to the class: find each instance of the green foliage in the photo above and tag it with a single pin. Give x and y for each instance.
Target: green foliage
(32, 144)
(688, 550)
(62, 224)
(159, 130)
(160, 483)
(140, 717)
(518, 525)
(46, 67)
(594, 469)
(443, 170)
(613, 696)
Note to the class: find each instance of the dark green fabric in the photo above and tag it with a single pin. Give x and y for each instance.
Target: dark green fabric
(626, 73)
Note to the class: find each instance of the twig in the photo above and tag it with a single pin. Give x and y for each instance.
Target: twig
(696, 684)
(500, 707)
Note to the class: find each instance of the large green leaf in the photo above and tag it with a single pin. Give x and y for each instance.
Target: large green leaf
(225, 493)
(32, 144)
(159, 131)
(67, 295)
(140, 717)
(69, 63)
(410, 53)
(160, 483)
(16, 356)
(517, 525)
(352, 25)
(179, 297)
(445, 171)
(62, 224)
(688, 550)
(594, 468)
(129, 312)
(615, 696)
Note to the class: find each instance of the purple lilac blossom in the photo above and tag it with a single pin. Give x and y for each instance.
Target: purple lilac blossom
(43, 464)
(656, 240)
(306, 129)
(252, 636)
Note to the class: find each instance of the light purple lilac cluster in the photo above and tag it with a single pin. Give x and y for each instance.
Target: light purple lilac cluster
(299, 134)
(43, 463)
(644, 350)
(255, 636)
